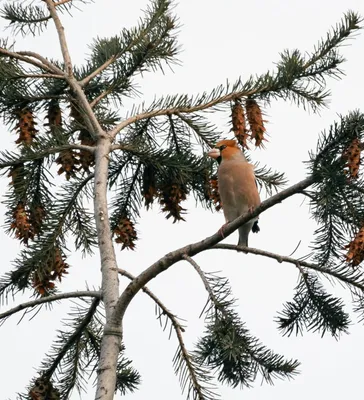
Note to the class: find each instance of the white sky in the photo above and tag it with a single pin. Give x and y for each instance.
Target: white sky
(220, 40)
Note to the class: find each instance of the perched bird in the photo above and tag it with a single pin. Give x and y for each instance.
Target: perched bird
(237, 187)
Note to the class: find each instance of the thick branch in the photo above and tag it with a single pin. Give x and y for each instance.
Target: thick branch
(192, 249)
(50, 299)
(290, 260)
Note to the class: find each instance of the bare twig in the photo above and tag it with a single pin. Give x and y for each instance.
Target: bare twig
(38, 76)
(43, 60)
(97, 99)
(192, 249)
(24, 56)
(50, 299)
(97, 71)
(166, 312)
(202, 276)
(61, 35)
(297, 263)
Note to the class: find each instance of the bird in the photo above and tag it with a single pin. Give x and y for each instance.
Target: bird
(237, 186)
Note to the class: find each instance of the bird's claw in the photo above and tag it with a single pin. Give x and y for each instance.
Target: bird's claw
(221, 230)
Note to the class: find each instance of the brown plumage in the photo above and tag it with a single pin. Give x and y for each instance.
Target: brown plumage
(237, 186)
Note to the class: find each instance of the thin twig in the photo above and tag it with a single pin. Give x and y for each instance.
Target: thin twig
(61, 37)
(177, 326)
(43, 60)
(27, 59)
(38, 76)
(202, 276)
(97, 99)
(50, 299)
(73, 338)
(52, 150)
(297, 263)
(97, 71)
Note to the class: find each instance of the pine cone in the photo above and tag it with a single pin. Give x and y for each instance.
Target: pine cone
(69, 161)
(239, 125)
(170, 196)
(126, 234)
(355, 253)
(352, 155)
(21, 224)
(26, 127)
(254, 115)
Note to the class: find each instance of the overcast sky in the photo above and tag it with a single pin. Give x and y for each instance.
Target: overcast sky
(220, 41)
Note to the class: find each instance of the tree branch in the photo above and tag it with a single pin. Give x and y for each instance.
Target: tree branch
(185, 110)
(25, 56)
(61, 36)
(202, 276)
(93, 124)
(296, 262)
(97, 71)
(43, 60)
(50, 299)
(98, 98)
(192, 249)
(38, 76)
(176, 325)
(41, 154)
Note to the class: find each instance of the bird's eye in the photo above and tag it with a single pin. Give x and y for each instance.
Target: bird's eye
(221, 148)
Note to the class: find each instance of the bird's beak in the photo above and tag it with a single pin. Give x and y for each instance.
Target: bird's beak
(214, 153)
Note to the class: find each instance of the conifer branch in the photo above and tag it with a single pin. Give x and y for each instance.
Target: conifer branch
(61, 2)
(176, 325)
(183, 110)
(38, 76)
(97, 71)
(26, 57)
(92, 122)
(202, 276)
(61, 36)
(296, 262)
(36, 155)
(42, 59)
(50, 299)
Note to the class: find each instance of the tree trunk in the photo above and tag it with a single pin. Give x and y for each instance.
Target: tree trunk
(111, 341)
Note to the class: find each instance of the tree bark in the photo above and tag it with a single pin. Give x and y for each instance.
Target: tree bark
(111, 341)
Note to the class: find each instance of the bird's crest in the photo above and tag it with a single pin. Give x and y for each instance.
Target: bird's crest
(228, 143)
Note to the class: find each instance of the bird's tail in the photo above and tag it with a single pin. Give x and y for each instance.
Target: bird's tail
(244, 233)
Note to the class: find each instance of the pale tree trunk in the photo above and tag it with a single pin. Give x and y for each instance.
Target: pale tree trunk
(111, 341)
